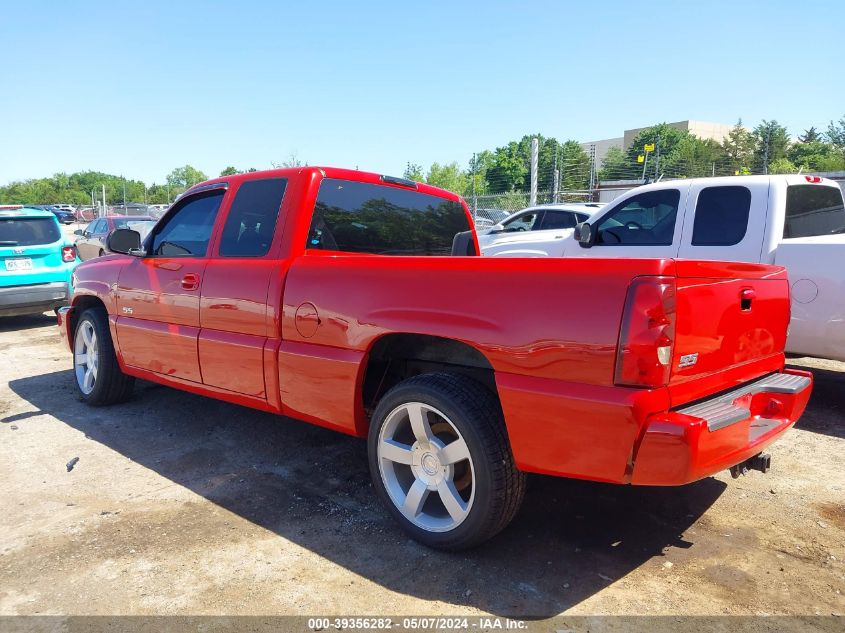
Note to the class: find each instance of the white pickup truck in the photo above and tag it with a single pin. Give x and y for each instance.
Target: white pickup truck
(793, 221)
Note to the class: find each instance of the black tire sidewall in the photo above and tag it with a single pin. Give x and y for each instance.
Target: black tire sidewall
(101, 328)
(480, 514)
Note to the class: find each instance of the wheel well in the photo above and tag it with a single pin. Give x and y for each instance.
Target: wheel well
(396, 357)
(80, 305)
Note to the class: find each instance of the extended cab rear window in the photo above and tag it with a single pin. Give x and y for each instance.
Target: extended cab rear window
(359, 217)
(28, 231)
(813, 210)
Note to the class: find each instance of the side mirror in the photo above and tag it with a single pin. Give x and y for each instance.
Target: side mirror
(125, 241)
(585, 234)
(78, 232)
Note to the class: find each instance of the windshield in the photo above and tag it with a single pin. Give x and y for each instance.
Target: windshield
(813, 210)
(28, 231)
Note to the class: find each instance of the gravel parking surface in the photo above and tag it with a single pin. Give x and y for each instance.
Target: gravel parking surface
(184, 505)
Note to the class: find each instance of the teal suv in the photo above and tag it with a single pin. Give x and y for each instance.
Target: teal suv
(36, 262)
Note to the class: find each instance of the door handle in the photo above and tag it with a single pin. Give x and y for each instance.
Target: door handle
(190, 281)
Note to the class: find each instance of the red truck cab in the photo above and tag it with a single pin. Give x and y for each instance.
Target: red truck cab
(332, 296)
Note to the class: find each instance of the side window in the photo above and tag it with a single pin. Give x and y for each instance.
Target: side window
(188, 231)
(559, 220)
(251, 222)
(96, 227)
(721, 216)
(525, 222)
(360, 217)
(644, 220)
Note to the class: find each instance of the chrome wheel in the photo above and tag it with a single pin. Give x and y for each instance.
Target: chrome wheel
(85, 357)
(426, 467)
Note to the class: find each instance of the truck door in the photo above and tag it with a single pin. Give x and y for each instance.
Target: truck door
(158, 296)
(237, 315)
(725, 222)
(644, 225)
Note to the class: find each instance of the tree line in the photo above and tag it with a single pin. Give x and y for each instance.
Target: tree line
(566, 166)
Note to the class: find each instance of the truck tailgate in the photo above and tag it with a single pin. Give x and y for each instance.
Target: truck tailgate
(731, 322)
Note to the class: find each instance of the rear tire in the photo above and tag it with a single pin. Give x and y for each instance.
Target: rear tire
(441, 462)
(98, 377)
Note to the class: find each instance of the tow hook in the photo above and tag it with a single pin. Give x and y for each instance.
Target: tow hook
(761, 462)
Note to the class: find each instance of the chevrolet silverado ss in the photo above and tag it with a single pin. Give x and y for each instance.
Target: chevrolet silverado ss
(332, 296)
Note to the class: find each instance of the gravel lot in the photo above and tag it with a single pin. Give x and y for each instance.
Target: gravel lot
(183, 505)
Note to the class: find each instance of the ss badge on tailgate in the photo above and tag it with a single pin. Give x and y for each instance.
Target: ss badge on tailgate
(688, 360)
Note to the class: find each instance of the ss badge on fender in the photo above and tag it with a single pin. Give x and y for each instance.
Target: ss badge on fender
(688, 360)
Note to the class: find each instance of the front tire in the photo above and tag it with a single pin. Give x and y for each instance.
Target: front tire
(98, 376)
(441, 462)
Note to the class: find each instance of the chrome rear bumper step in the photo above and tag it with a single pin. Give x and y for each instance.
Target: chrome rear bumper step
(721, 412)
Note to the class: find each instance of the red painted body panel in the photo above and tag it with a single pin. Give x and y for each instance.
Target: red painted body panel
(291, 332)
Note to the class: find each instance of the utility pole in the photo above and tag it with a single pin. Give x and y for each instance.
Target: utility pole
(474, 194)
(535, 149)
(124, 196)
(592, 169)
(766, 152)
(104, 202)
(555, 178)
(657, 159)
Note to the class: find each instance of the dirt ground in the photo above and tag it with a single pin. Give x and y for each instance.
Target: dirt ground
(184, 505)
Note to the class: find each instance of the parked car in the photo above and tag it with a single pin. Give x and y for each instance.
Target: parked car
(91, 241)
(534, 231)
(793, 221)
(324, 294)
(63, 215)
(157, 210)
(36, 262)
(488, 218)
(85, 214)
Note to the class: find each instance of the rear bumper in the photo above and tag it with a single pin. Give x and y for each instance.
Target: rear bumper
(63, 315)
(687, 444)
(32, 299)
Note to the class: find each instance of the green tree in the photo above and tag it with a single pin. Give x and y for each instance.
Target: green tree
(414, 172)
(782, 166)
(229, 171)
(738, 149)
(574, 167)
(509, 169)
(183, 177)
(771, 143)
(449, 177)
(617, 166)
(810, 136)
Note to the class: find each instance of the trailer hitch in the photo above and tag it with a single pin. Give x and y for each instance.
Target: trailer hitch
(761, 462)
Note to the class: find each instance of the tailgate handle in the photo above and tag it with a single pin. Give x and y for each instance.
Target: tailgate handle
(745, 298)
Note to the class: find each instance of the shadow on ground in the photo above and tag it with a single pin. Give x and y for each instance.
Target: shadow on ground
(311, 486)
(26, 322)
(827, 402)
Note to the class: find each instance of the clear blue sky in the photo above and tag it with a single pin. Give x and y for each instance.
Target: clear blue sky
(138, 88)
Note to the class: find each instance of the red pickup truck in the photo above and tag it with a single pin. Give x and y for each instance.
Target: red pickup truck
(332, 296)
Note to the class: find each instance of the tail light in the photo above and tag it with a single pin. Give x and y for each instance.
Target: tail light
(813, 178)
(68, 253)
(646, 338)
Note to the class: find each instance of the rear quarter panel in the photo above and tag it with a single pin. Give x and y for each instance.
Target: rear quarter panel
(548, 327)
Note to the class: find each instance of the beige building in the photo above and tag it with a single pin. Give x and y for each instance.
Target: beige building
(702, 129)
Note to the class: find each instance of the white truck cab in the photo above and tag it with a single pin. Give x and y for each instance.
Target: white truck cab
(793, 221)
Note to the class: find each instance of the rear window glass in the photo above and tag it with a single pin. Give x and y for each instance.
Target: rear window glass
(721, 216)
(251, 222)
(813, 210)
(28, 231)
(361, 217)
(559, 220)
